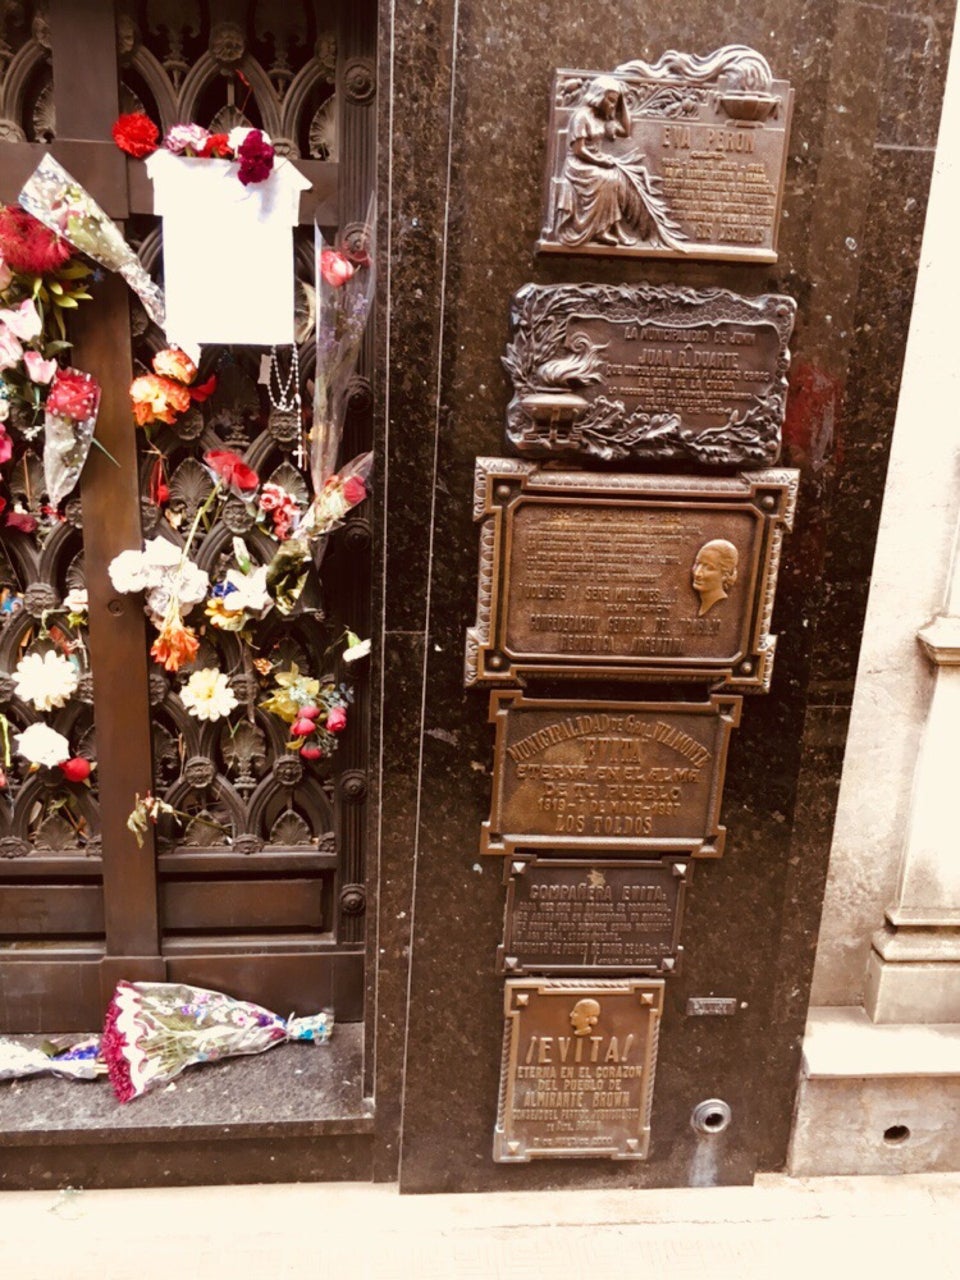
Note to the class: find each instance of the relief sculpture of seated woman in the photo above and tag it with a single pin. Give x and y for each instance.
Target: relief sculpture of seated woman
(606, 198)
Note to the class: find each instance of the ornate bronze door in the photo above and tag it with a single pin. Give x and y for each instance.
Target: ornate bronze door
(258, 889)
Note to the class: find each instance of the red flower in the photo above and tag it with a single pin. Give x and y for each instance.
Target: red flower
(6, 447)
(156, 399)
(256, 158)
(336, 720)
(136, 134)
(20, 521)
(311, 753)
(76, 769)
(217, 145)
(28, 246)
(205, 390)
(232, 470)
(73, 395)
(354, 490)
(335, 268)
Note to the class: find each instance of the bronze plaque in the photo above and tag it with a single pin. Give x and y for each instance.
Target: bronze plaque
(618, 775)
(684, 157)
(644, 577)
(642, 373)
(578, 1066)
(566, 916)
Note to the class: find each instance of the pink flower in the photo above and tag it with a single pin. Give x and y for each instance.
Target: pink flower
(24, 320)
(6, 449)
(39, 370)
(336, 720)
(182, 138)
(11, 352)
(335, 268)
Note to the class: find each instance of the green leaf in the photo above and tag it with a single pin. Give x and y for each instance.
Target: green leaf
(103, 449)
(65, 301)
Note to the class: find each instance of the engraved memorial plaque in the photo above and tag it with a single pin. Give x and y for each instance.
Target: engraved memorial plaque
(567, 915)
(589, 575)
(639, 373)
(684, 157)
(573, 775)
(578, 1066)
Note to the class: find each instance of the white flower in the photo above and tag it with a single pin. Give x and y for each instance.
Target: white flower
(207, 694)
(127, 572)
(191, 586)
(356, 651)
(159, 556)
(46, 680)
(250, 593)
(236, 137)
(76, 601)
(42, 745)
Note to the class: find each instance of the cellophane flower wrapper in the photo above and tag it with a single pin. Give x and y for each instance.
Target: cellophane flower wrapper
(342, 313)
(79, 1062)
(62, 204)
(153, 1031)
(332, 500)
(67, 441)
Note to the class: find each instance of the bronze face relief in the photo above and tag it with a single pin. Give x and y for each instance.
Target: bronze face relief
(588, 575)
(648, 373)
(578, 1068)
(684, 157)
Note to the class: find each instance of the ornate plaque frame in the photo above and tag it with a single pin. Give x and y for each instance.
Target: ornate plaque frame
(643, 373)
(550, 539)
(636, 896)
(603, 1096)
(681, 158)
(588, 776)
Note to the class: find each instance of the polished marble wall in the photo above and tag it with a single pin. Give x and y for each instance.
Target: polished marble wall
(463, 95)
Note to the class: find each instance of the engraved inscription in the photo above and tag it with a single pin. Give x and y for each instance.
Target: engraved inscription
(636, 774)
(564, 915)
(578, 1068)
(683, 157)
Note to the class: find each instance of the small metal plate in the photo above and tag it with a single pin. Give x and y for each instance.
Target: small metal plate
(639, 373)
(684, 158)
(578, 1068)
(569, 915)
(711, 1006)
(643, 577)
(585, 775)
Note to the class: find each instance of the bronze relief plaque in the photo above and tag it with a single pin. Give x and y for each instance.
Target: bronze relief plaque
(643, 577)
(570, 774)
(567, 915)
(684, 157)
(641, 373)
(578, 1067)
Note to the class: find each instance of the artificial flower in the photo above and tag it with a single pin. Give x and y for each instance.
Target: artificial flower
(207, 695)
(23, 320)
(183, 138)
(356, 648)
(204, 390)
(354, 490)
(175, 645)
(4, 403)
(336, 720)
(126, 572)
(11, 352)
(187, 584)
(46, 680)
(73, 395)
(76, 601)
(238, 136)
(335, 268)
(6, 276)
(27, 245)
(39, 370)
(256, 158)
(157, 399)
(41, 745)
(22, 521)
(217, 145)
(6, 444)
(219, 616)
(282, 508)
(76, 769)
(136, 134)
(293, 692)
(146, 811)
(232, 470)
(249, 591)
(171, 362)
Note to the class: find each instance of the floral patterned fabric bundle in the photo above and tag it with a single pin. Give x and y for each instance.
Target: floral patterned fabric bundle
(80, 1062)
(155, 1030)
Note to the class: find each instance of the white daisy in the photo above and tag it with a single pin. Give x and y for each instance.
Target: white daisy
(42, 745)
(207, 694)
(47, 681)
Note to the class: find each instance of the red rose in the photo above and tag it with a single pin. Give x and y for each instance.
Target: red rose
(311, 753)
(136, 134)
(232, 470)
(354, 490)
(336, 720)
(256, 158)
(76, 769)
(73, 395)
(335, 268)
(217, 145)
(28, 246)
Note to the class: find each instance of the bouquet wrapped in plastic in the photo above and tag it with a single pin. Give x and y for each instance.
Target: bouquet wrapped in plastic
(78, 1062)
(70, 417)
(155, 1030)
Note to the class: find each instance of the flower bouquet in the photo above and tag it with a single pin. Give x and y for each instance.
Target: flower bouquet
(154, 1030)
(69, 420)
(79, 1061)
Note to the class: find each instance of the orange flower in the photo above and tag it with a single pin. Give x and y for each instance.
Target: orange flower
(171, 362)
(157, 399)
(175, 645)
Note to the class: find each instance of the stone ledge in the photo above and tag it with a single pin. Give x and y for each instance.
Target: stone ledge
(843, 1043)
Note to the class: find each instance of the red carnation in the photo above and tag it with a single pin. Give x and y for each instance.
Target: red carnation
(205, 390)
(256, 158)
(136, 134)
(354, 490)
(26, 245)
(232, 470)
(217, 145)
